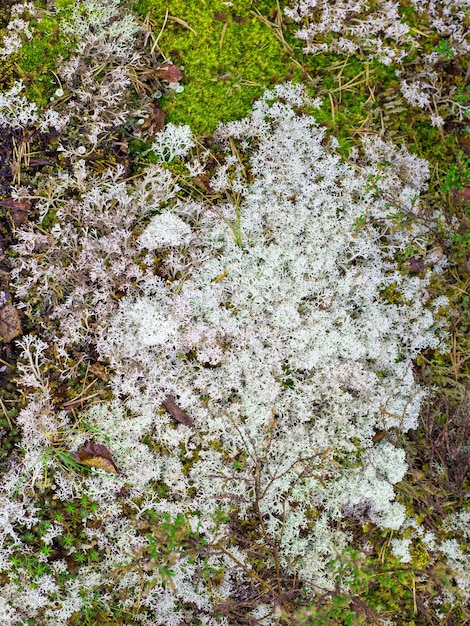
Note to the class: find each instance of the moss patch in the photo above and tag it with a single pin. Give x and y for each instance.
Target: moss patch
(38, 57)
(229, 56)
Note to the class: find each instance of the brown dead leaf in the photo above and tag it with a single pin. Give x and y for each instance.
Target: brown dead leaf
(19, 209)
(169, 72)
(415, 265)
(98, 370)
(465, 143)
(175, 411)
(10, 325)
(379, 435)
(96, 455)
(203, 183)
(155, 122)
(36, 161)
(239, 19)
(434, 256)
(71, 564)
(10, 203)
(19, 216)
(122, 146)
(462, 196)
(94, 523)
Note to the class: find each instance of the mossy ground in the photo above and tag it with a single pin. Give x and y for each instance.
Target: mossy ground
(37, 59)
(230, 52)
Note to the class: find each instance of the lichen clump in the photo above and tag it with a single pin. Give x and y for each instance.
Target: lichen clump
(217, 374)
(266, 321)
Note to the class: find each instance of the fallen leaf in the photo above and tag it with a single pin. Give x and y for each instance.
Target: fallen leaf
(23, 205)
(240, 19)
(19, 216)
(96, 455)
(203, 183)
(155, 122)
(379, 435)
(175, 411)
(434, 256)
(72, 565)
(20, 208)
(122, 147)
(415, 265)
(36, 161)
(462, 196)
(98, 370)
(465, 143)
(169, 72)
(94, 523)
(10, 325)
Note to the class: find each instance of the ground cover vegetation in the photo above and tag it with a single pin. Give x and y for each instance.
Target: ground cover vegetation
(234, 312)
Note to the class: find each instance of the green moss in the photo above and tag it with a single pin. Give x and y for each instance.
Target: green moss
(229, 57)
(64, 4)
(38, 57)
(8, 73)
(408, 13)
(391, 295)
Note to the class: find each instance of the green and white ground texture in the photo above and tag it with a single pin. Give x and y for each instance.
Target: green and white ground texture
(234, 312)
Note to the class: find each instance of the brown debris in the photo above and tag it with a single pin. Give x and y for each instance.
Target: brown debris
(465, 143)
(239, 19)
(169, 72)
(19, 209)
(38, 161)
(203, 183)
(462, 196)
(96, 455)
(10, 325)
(175, 411)
(98, 370)
(155, 122)
(415, 265)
